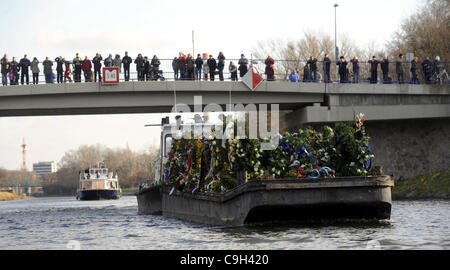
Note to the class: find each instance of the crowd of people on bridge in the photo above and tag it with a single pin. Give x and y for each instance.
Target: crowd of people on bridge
(310, 70)
(203, 67)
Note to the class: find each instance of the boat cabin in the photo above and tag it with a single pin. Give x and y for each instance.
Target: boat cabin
(98, 178)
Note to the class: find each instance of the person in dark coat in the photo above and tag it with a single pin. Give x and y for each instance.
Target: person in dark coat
(270, 72)
(221, 65)
(374, 69)
(59, 69)
(243, 66)
(147, 69)
(232, 68)
(48, 72)
(140, 62)
(399, 69)
(356, 65)
(427, 67)
(198, 67)
(5, 69)
(385, 69)
(326, 69)
(24, 68)
(175, 68)
(126, 61)
(108, 61)
(212, 64)
(190, 66)
(97, 61)
(306, 73)
(342, 63)
(313, 69)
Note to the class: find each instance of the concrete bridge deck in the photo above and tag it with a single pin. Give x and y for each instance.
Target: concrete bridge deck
(332, 102)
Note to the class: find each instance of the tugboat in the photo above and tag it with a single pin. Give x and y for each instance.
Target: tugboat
(98, 184)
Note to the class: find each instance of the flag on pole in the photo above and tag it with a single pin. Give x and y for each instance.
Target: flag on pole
(252, 78)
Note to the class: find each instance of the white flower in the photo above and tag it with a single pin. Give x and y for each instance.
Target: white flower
(214, 143)
(273, 169)
(278, 172)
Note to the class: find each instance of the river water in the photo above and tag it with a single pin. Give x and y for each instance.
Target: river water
(64, 223)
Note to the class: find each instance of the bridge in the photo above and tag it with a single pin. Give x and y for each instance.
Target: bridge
(303, 103)
(409, 124)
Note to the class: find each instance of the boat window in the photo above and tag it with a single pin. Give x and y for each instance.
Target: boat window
(167, 144)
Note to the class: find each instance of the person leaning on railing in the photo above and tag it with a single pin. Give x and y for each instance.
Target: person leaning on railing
(232, 68)
(243, 66)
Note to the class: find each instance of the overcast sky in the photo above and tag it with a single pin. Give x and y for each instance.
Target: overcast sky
(54, 27)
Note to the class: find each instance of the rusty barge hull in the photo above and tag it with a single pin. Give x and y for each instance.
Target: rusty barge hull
(262, 201)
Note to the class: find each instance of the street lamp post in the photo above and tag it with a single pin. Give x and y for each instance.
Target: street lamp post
(335, 37)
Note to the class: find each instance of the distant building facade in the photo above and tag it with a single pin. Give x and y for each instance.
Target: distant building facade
(44, 168)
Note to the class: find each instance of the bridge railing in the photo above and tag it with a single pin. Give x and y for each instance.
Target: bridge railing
(283, 69)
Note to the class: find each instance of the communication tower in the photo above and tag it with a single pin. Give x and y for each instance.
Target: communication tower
(24, 155)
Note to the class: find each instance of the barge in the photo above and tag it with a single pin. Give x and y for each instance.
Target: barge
(260, 201)
(306, 200)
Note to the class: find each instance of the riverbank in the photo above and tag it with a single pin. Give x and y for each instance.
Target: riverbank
(7, 196)
(129, 191)
(426, 186)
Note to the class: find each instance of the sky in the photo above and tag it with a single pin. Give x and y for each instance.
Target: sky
(41, 28)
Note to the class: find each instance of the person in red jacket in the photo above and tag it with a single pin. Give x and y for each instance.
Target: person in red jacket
(86, 67)
(182, 66)
(67, 71)
(270, 72)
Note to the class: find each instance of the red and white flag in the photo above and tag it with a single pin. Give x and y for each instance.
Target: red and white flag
(252, 78)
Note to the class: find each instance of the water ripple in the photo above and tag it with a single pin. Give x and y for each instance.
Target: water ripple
(50, 223)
